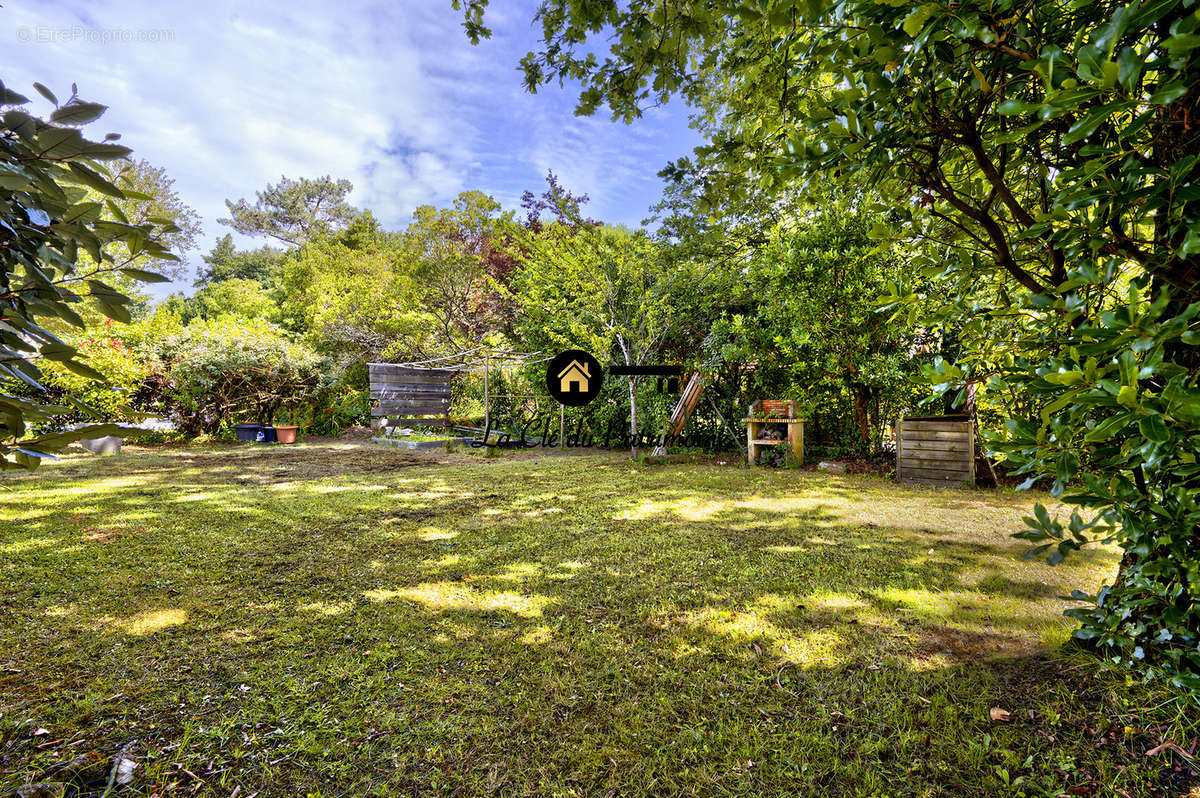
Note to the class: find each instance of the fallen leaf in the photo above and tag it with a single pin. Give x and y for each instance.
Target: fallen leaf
(996, 713)
(757, 649)
(40, 732)
(1168, 746)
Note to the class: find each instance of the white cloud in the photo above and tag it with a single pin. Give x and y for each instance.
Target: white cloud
(229, 96)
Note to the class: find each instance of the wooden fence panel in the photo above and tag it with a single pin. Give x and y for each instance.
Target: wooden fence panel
(406, 391)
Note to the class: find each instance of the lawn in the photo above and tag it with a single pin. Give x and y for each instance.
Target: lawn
(339, 619)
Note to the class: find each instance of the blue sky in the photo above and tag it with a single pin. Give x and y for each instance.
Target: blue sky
(228, 96)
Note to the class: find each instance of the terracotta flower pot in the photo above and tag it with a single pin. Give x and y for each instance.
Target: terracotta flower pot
(286, 433)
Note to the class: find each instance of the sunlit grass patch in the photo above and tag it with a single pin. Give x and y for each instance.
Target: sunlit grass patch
(332, 620)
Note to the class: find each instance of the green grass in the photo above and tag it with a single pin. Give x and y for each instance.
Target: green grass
(354, 620)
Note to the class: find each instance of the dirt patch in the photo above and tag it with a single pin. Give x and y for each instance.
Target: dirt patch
(959, 645)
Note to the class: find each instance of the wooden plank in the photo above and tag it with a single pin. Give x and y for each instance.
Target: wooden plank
(396, 368)
(936, 473)
(959, 456)
(937, 436)
(381, 412)
(424, 399)
(948, 447)
(412, 408)
(416, 422)
(936, 426)
(943, 465)
(938, 483)
(948, 476)
(971, 449)
(420, 392)
(389, 379)
(960, 464)
(418, 408)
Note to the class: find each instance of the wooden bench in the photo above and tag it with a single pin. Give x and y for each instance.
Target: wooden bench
(766, 412)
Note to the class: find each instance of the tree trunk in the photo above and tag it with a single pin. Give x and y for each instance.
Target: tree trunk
(632, 419)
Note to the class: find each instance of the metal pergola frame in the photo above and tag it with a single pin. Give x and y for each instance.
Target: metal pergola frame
(480, 359)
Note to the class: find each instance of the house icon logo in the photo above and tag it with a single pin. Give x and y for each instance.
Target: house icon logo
(574, 377)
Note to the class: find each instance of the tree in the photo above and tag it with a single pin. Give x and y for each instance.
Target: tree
(226, 262)
(150, 197)
(804, 307)
(606, 290)
(293, 211)
(56, 252)
(1049, 150)
(452, 249)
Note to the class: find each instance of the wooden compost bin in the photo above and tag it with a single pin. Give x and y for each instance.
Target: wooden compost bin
(936, 450)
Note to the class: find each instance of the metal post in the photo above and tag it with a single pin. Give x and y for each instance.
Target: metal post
(562, 426)
(487, 408)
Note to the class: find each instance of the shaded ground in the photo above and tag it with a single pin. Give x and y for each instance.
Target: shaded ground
(336, 619)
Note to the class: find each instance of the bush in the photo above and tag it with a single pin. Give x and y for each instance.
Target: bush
(211, 373)
(110, 400)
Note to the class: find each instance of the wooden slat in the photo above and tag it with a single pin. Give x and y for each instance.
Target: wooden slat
(379, 412)
(935, 426)
(956, 447)
(395, 368)
(941, 483)
(927, 460)
(415, 422)
(388, 379)
(936, 454)
(937, 473)
(418, 408)
(936, 436)
(419, 391)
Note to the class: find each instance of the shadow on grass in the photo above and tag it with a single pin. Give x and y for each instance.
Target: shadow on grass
(359, 625)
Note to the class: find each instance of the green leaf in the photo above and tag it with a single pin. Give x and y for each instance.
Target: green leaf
(83, 370)
(42, 90)
(915, 21)
(94, 180)
(146, 276)
(59, 143)
(1107, 429)
(83, 212)
(1064, 377)
(1153, 428)
(78, 113)
(1127, 396)
(58, 351)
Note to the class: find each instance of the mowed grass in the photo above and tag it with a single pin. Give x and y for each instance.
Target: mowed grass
(336, 620)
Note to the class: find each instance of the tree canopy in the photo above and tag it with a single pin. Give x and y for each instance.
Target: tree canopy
(1046, 155)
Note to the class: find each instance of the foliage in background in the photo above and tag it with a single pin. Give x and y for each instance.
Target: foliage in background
(1047, 150)
(294, 211)
(608, 291)
(802, 311)
(114, 398)
(226, 262)
(215, 372)
(60, 249)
